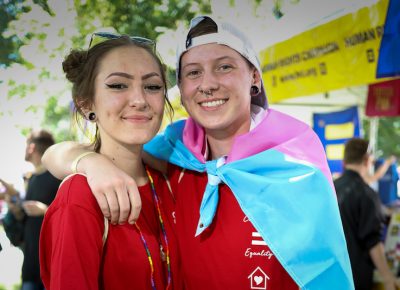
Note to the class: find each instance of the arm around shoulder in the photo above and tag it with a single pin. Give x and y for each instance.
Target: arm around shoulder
(59, 157)
(115, 191)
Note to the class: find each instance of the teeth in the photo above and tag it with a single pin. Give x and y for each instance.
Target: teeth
(213, 103)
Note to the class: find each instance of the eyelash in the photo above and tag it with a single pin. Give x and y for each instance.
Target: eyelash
(226, 66)
(120, 86)
(195, 73)
(153, 88)
(116, 86)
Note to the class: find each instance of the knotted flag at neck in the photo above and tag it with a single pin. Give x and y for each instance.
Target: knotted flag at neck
(279, 175)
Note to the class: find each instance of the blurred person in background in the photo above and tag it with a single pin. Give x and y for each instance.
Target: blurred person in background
(24, 219)
(362, 218)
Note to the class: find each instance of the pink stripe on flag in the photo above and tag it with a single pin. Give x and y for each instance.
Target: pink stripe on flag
(277, 131)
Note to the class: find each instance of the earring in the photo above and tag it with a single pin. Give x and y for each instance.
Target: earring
(254, 91)
(92, 116)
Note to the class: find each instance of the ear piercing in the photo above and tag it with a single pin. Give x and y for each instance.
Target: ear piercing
(92, 116)
(254, 91)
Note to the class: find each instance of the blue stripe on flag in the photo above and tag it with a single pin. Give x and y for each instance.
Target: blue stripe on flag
(389, 53)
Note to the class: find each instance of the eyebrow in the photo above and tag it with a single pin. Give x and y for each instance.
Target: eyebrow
(149, 75)
(120, 74)
(131, 77)
(217, 59)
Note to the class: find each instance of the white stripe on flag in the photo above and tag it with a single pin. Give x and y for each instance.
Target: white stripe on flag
(257, 242)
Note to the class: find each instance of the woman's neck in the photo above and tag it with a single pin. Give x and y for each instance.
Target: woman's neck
(128, 159)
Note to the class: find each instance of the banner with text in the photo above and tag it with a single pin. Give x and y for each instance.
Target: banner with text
(334, 55)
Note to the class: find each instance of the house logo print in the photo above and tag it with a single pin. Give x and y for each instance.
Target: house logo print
(258, 279)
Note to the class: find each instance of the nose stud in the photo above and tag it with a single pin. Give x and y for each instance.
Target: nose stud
(206, 93)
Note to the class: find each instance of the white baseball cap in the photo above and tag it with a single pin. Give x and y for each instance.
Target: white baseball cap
(228, 35)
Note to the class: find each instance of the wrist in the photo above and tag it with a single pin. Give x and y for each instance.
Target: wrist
(388, 278)
(78, 160)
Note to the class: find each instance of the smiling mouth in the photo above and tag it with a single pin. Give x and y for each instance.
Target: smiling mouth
(137, 118)
(211, 104)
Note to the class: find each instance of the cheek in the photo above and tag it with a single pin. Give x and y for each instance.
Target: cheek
(157, 103)
(188, 89)
(108, 107)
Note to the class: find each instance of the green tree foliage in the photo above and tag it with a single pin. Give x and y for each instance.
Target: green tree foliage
(145, 18)
(58, 120)
(9, 9)
(9, 45)
(138, 17)
(388, 141)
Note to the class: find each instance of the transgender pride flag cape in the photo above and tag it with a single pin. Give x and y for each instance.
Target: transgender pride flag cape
(280, 178)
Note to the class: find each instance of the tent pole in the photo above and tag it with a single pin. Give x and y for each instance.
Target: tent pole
(373, 134)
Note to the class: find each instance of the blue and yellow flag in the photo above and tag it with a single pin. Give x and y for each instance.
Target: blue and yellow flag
(334, 129)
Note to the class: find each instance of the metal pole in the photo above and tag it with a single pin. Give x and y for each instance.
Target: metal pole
(373, 134)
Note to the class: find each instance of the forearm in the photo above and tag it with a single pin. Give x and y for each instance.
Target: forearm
(377, 254)
(59, 157)
(380, 172)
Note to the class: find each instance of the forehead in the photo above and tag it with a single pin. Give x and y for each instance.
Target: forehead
(128, 59)
(210, 52)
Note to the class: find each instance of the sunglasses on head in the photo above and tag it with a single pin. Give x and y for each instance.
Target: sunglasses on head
(99, 37)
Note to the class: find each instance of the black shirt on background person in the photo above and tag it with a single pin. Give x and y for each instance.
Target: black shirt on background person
(362, 220)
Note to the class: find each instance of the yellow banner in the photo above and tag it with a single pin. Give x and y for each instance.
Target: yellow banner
(335, 151)
(338, 54)
(339, 131)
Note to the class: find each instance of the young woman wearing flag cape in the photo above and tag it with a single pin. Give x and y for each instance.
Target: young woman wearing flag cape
(255, 207)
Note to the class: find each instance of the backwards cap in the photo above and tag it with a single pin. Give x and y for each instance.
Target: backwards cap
(227, 35)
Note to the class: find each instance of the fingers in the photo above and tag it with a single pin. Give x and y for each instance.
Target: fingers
(116, 193)
(108, 203)
(103, 204)
(124, 203)
(113, 204)
(135, 202)
(105, 196)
